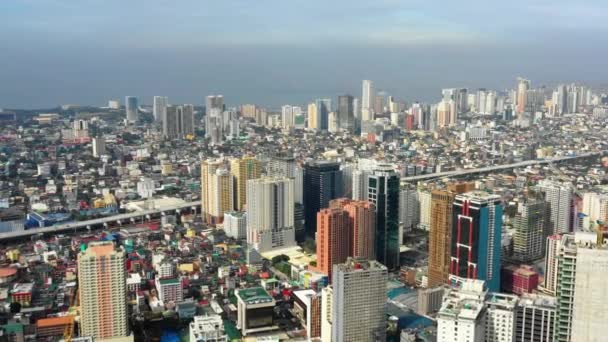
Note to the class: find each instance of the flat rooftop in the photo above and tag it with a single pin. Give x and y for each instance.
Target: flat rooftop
(168, 281)
(538, 300)
(296, 255)
(462, 308)
(305, 295)
(354, 264)
(54, 321)
(156, 203)
(254, 295)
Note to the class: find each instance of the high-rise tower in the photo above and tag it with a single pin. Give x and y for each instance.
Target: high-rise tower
(103, 288)
(333, 238)
(523, 86)
(440, 231)
(346, 116)
(270, 213)
(530, 230)
(359, 301)
(159, 108)
(323, 108)
(559, 197)
(243, 170)
(383, 192)
(476, 238)
(367, 101)
(178, 122)
(131, 108)
(323, 181)
(216, 191)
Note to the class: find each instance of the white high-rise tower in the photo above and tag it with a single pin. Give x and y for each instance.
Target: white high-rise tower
(367, 101)
(270, 213)
(359, 301)
(160, 107)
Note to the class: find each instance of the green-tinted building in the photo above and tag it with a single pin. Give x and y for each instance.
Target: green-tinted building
(530, 230)
(566, 274)
(383, 192)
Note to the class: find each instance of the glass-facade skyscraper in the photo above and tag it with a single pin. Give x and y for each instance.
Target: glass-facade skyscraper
(476, 234)
(322, 183)
(323, 109)
(383, 192)
(346, 113)
(131, 108)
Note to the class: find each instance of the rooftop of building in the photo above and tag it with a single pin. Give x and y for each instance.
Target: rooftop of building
(208, 323)
(466, 308)
(54, 321)
(11, 213)
(268, 179)
(525, 271)
(168, 281)
(354, 264)
(478, 196)
(22, 288)
(99, 248)
(323, 164)
(570, 242)
(7, 272)
(502, 301)
(296, 255)
(156, 203)
(384, 167)
(238, 214)
(134, 278)
(254, 295)
(13, 328)
(305, 295)
(538, 300)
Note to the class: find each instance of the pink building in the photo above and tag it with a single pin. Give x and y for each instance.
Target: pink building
(519, 280)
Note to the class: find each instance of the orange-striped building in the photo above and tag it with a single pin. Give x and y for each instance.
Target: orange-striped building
(103, 291)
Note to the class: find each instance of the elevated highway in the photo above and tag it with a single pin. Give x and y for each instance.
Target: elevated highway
(120, 219)
(495, 168)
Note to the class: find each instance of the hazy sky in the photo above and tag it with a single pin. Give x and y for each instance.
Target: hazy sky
(276, 52)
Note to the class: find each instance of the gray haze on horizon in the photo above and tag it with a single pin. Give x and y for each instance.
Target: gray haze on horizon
(44, 64)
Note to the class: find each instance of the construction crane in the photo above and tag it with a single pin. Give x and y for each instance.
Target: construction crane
(68, 331)
(69, 328)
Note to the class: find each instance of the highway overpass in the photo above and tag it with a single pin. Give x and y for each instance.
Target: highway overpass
(489, 169)
(133, 217)
(120, 219)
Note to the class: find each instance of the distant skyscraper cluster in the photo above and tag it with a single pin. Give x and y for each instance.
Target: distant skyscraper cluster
(376, 113)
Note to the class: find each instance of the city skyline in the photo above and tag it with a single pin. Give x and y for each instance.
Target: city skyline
(303, 170)
(409, 50)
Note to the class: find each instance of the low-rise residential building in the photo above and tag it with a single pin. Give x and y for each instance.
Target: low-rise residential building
(207, 329)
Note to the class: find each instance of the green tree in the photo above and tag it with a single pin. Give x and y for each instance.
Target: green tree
(310, 246)
(279, 258)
